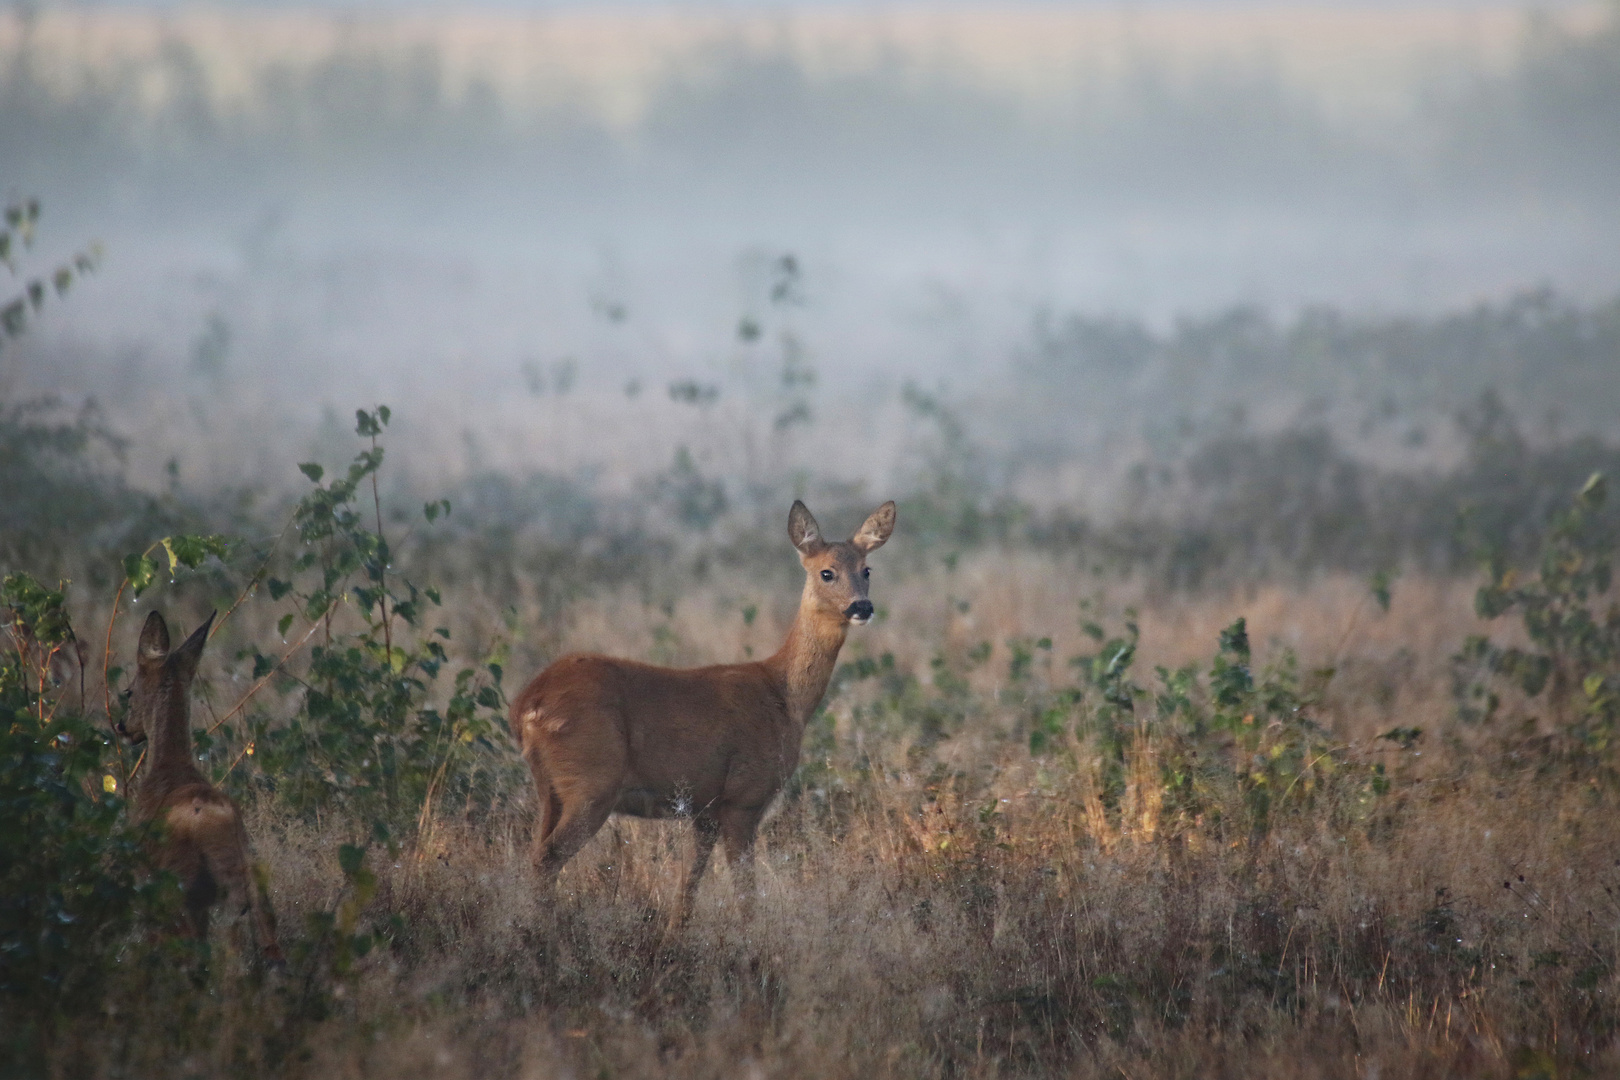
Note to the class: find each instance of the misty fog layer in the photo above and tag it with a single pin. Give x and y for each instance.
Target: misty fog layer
(586, 244)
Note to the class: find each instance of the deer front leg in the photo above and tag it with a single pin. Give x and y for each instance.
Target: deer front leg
(738, 826)
(705, 831)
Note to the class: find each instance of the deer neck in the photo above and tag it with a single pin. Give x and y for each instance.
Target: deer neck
(169, 748)
(804, 664)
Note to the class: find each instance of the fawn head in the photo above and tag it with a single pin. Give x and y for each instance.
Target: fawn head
(162, 678)
(836, 573)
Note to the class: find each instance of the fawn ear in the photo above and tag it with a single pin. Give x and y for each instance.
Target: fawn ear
(875, 532)
(189, 653)
(154, 646)
(803, 530)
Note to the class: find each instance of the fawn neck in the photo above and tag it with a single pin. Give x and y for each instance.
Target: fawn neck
(169, 748)
(806, 659)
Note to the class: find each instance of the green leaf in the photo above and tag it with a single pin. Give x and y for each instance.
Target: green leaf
(190, 550)
(1380, 586)
(14, 317)
(1594, 491)
(1405, 736)
(312, 470)
(141, 571)
(1235, 640)
(350, 859)
(282, 625)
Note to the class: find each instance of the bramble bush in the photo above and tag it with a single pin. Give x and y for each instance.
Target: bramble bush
(1230, 747)
(1220, 746)
(1573, 664)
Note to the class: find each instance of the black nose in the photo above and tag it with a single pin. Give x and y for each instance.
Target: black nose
(860, 609)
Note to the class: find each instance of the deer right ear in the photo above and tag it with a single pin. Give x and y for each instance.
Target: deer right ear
(803, 530)
(154, 646)
(190, 651)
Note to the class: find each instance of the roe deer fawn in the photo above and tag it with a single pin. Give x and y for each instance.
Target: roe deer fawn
(203, 841)
(605, 736)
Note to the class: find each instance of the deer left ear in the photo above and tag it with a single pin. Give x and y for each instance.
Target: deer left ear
(154, 643)
(877, 529)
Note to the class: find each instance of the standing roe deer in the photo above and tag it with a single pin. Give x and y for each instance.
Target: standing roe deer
(605, 736)
(203, 842)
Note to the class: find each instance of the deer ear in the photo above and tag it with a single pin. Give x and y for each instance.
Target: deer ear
(803, 530)
(154, 645)
(189, 653)
(875, 532)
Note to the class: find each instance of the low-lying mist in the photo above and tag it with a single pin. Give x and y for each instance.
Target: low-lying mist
(583, 248)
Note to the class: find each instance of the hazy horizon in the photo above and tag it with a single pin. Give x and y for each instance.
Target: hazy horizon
(444, 210)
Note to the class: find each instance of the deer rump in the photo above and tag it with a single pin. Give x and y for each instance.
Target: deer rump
(205, 846)
(657, 742)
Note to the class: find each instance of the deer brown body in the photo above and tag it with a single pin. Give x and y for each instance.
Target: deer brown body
(203, 841)
(715, 744)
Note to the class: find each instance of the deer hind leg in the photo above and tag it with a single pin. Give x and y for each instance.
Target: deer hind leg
(181, 856)
(548, 806)
(577, 773)
(199, 892)
(576, 822)
(249, 913)
(248, 894)
(264, 916)
(738, 826)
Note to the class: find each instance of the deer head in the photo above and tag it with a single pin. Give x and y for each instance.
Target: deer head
(836, 574)
(162, 679)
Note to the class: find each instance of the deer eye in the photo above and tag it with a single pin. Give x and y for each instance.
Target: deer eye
(827, 575)
(866, 571)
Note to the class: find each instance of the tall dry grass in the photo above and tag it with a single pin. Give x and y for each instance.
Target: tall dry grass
(962, 908)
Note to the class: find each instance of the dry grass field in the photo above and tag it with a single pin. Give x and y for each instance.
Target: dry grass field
(947, 903)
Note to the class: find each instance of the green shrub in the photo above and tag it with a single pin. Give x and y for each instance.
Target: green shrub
(376, 733)
(1226, 744)
(75, 881)
(1573, 663)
